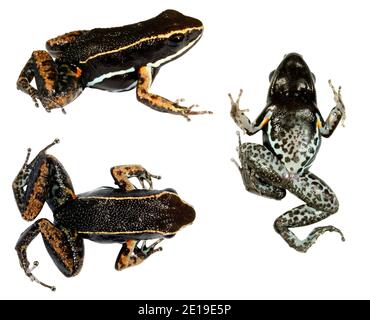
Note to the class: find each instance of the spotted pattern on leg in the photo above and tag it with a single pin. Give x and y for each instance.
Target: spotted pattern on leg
(299, 217)
(320, 200)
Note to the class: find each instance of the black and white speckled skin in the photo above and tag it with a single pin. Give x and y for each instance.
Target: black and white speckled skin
(292, 129)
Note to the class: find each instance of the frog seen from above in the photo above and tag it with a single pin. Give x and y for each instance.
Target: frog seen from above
(292, 129)
(126, 214)
(113, 59)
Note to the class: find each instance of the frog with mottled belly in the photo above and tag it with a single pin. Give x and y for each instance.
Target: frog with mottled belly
(126, 214)
(292, 129)
(112, 59)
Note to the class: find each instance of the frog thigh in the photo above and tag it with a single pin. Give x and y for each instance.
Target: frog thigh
(65, 248)
(254, 184)
(314, 192)
(264, 164)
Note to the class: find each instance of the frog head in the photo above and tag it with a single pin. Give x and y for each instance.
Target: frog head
(171, 34)
(292, 77)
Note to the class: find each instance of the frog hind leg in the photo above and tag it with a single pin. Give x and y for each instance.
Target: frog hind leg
(57, 85)
(156, 102)
(44, 179)
(298, 217)
(131, 254)
(65, 248)
(252, 182)
(320, 200)
(122, 174)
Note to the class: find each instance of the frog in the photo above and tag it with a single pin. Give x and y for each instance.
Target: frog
(292, 128)
(124, 214)
(113, 59)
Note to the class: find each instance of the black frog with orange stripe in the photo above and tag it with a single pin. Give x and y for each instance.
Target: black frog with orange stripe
(126, 214)
(292, 128)
(113, 59)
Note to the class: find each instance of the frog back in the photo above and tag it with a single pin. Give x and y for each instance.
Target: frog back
(112, 214)
(125, 40)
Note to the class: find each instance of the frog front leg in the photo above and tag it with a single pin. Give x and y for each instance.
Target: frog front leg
(243, 121)
(320, 200)
(157, 102)
(337, 114)
(122, 174)
(65, 248)
(57, 85)
(131, 254)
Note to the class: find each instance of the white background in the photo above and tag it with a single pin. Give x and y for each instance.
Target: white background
(231, 251)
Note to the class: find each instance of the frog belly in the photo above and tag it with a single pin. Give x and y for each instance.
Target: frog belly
(296, 147)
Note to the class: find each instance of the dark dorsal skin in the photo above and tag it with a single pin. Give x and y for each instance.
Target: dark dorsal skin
(111, 210)
(100, 40)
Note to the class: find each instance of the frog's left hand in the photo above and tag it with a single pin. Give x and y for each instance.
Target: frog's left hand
(338, 101)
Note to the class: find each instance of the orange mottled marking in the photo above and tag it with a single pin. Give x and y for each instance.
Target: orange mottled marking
(125, 257)
(36, 200)
(56, 239)
(44, 66)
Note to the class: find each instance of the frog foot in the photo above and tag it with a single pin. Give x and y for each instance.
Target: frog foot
(186, 112)
(235, 108)
(338, 101)
(147, 176)
(236, 163)
(47, 103)
(34, 96)
(313, 236)
(25, 164)
(145, 251)
(29, 274)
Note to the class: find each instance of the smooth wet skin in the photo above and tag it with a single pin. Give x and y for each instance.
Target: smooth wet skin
(292, 128)
(126, 214)
(112, 59)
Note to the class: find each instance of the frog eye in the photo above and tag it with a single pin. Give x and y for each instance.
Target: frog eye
(176, 38)
(313, 76)
(271, 74)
